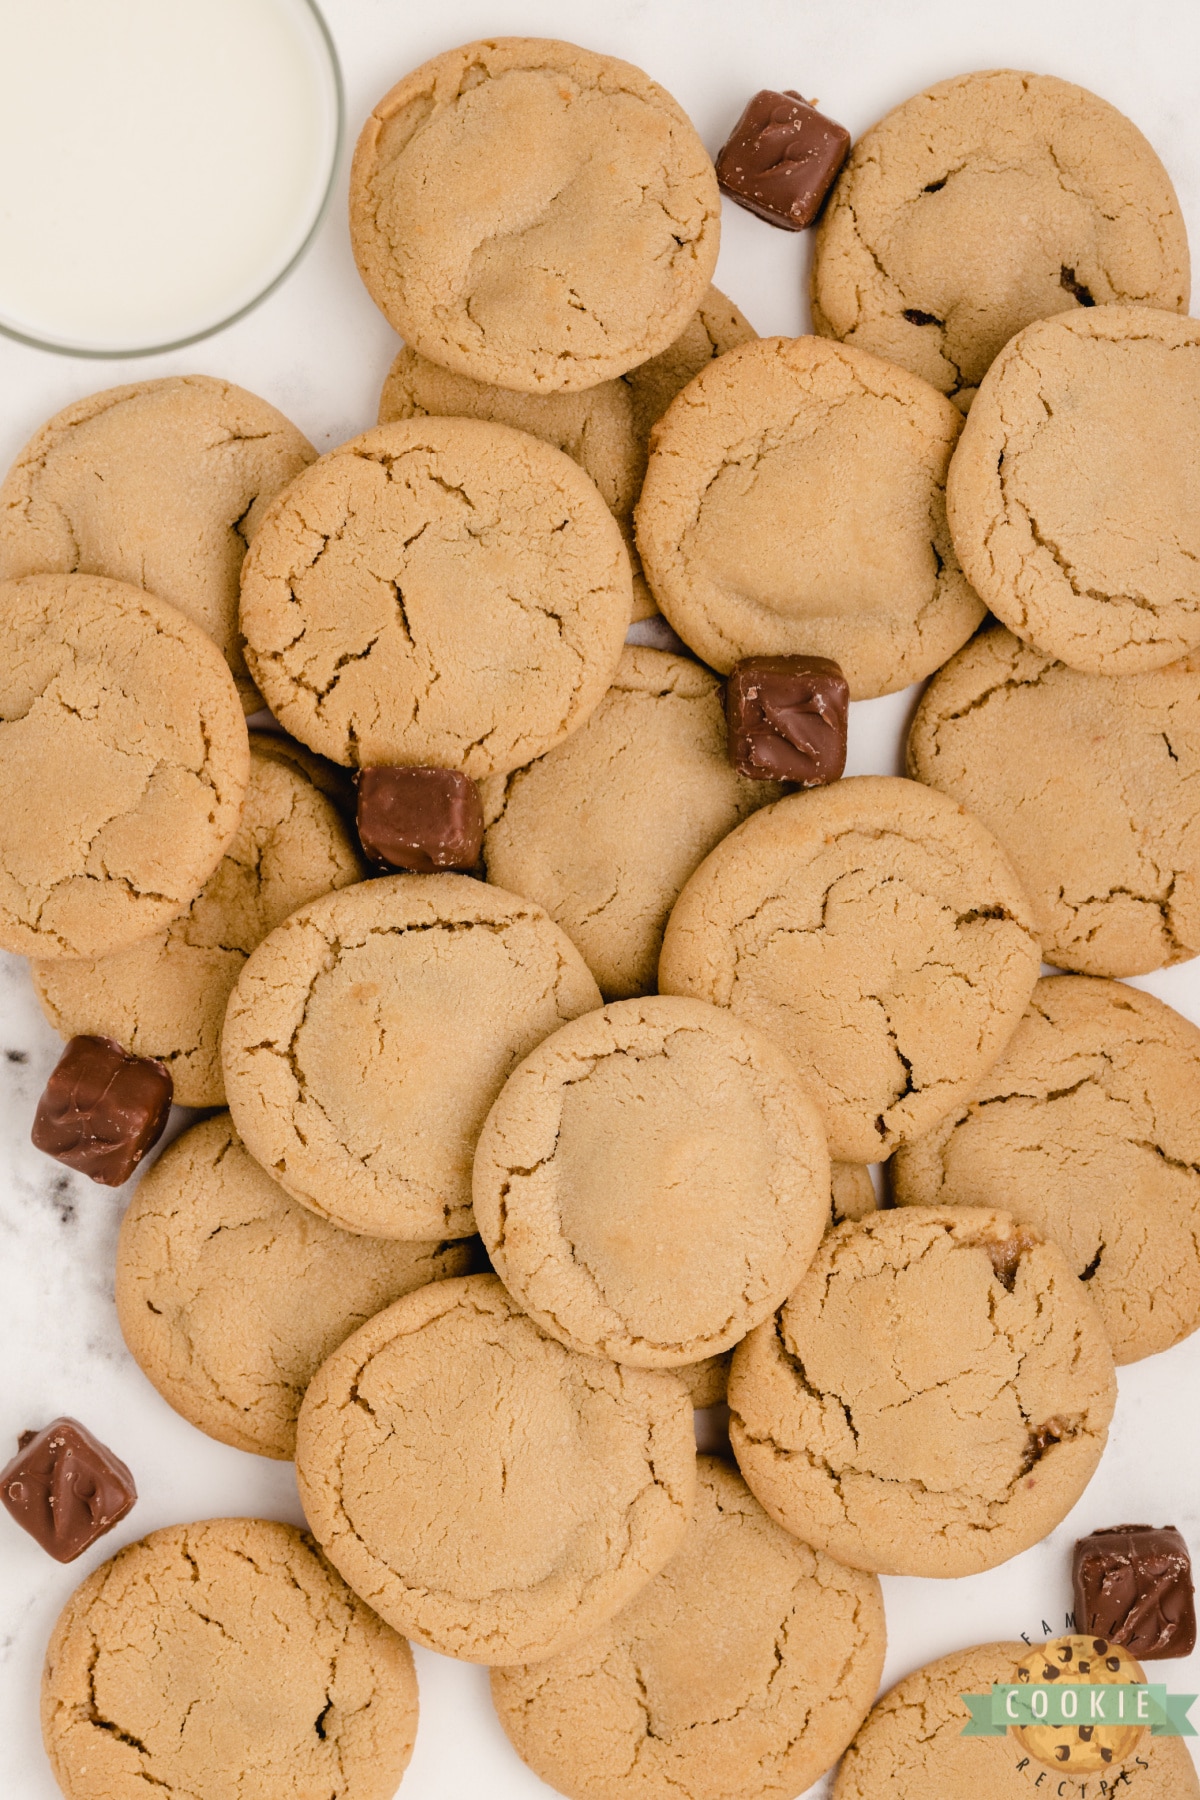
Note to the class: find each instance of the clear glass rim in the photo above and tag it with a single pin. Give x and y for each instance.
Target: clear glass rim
(196, 337)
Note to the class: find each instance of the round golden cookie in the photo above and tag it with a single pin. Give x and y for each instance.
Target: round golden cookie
(878, 932)
(853, 1197)
(912, 1747)
(438, 591)
(657, 1134)
(231, 1295)
(161, 484)
(1088, 1131)
(166, 997)
(533, 214)
(794, 504)
(497, 1495)
(932, 1399)
(1074, 494)
(605, 429)
(225, 1659)
(1087, 1749)
(605, 830)
(368, 1036)
(123, 764)
(744, 1668)
(1087, 781)
(982, 204)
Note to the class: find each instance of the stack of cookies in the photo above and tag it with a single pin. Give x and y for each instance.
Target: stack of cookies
(549, 991)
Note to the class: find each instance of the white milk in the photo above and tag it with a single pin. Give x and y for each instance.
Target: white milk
(161, 162)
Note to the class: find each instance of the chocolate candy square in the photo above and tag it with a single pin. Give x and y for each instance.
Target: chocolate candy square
(102, 1109)
(782, 158)
(786, 718)
(66, 1488)
(419, 819)
(1133, 1586)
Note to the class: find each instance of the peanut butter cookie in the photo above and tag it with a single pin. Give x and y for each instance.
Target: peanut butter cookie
(932, 1399)
(879, 933)
(123, 764)
(1087, 781)
(1088, 1131)
(231, 1295)
(743, 1668)
(533, 214)
(225, 1659)
(438, 591)
(1074, 494)
(651, 1181)
(794, 503)
(912, 1747)
(499, 1494)
(982, 204)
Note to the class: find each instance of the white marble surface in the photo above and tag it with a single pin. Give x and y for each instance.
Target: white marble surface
(319, 350)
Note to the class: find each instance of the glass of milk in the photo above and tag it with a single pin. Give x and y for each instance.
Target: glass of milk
(163, 164)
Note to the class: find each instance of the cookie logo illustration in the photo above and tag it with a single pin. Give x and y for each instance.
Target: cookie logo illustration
(1092, 1745)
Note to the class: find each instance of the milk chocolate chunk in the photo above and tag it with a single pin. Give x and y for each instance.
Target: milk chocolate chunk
(782, 158)
(102, 1109)
(66, 1488)
(786, 719)
(419, 819)
(1133, 1587)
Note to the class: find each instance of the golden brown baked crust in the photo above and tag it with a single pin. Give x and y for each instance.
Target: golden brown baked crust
(533, 214)
(986, 202)
(499, 1494)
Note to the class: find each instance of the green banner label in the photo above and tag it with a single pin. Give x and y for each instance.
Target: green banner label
(1079, 1703)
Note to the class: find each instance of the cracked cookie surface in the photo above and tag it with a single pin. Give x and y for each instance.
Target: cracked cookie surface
(225, 1659)
(1074, 494)
(447, 592)
(794, 503)
(494, 1494)
(369, 1034)
(123, 764)
(533, 214)
(605, 830)
(651, 1181)
(912, 1747)
(166, 997)
(852, 1197)
(878, 932)
(161, 484)
(605, 429)
(1088, 1131)
(932, 1399)
(740, 1673)
(231, 1295)
(982, 204)
(1092, 785)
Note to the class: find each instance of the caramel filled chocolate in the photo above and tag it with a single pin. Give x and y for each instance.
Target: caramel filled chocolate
(421, 820)
(786, 718)
(782, 158)
(66, 1488)
(102, 1109)
(1133, 1586)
